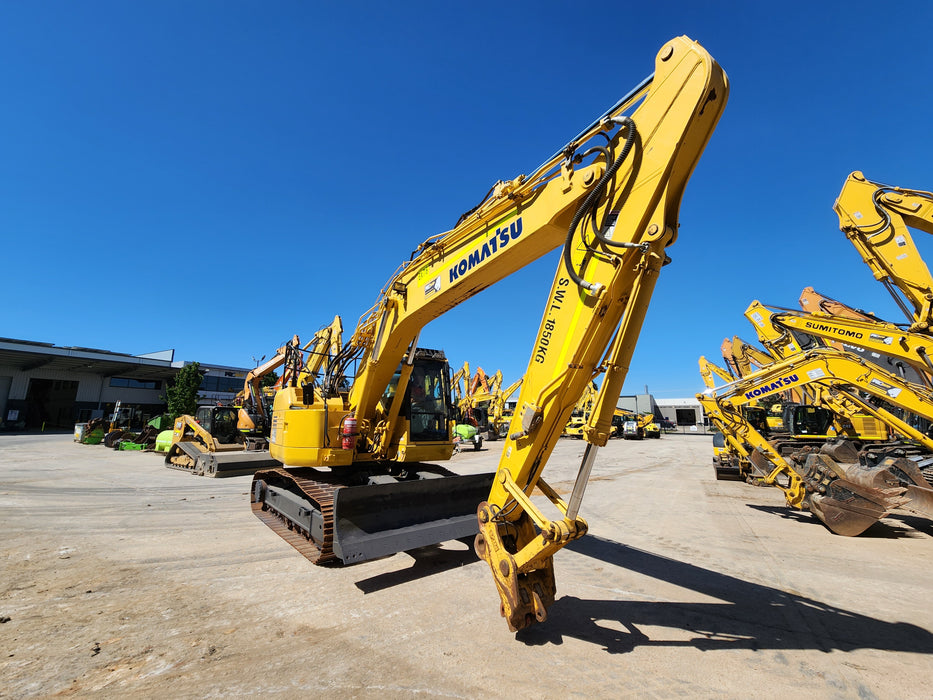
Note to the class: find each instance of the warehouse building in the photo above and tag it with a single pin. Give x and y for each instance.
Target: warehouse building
(686, 414)
(45, 386)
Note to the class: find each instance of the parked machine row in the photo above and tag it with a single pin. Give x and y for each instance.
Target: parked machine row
(834, 408)
(862, 385)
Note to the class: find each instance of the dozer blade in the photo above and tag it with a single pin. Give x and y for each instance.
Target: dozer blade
(726, 471)
(381, 519)
(326, 520)
(221, 464)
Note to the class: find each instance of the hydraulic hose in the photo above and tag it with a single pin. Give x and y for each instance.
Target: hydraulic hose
(591, 202)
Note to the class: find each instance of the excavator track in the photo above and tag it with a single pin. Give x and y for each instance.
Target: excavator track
(319, 493)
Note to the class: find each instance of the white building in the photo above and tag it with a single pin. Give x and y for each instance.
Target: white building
(48, 386)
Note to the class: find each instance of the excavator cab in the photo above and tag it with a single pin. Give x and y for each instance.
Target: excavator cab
(808, 420)
(757, 417)
(428, 406)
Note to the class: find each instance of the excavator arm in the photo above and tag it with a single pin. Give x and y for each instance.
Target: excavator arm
(591, 321)
(480, 383)
(728, 357)
(748, 357)
(813, 301)
(708, 369)
(611, 199)
(876, 218)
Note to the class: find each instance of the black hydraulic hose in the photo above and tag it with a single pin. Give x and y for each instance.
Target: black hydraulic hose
(592, 199)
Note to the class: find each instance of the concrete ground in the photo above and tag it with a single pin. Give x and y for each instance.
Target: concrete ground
(123, 578)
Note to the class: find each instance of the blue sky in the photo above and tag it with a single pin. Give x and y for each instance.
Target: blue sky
(214, 177)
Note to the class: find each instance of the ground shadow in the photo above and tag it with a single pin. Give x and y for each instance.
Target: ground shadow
(915, 522)
(744, 615)
(428, 561)
(893, 527)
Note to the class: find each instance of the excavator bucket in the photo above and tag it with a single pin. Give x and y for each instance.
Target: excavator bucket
(329, 521)
(849, 498)
(846, 514)
(919, 491)
(920, 500)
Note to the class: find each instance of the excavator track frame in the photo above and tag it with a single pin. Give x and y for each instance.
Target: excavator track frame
(321, 494)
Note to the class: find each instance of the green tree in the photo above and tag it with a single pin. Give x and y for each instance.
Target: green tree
(269, 379)
(181, 394)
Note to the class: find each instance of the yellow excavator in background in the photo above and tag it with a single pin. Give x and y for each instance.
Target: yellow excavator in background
(730, 459)
(355, 487)
(876, 219)
(581, 411)
(842, 491)
(804, 421)
(477, 402)
(710, 370)
(499, 414)
(461, 375)
(898, 351)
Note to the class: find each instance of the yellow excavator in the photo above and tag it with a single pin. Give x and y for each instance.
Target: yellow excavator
(499, 416)
(484, 406)
(581, 411)
(477, 402)
(841, 487)
(356, 487)
(801, 419)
